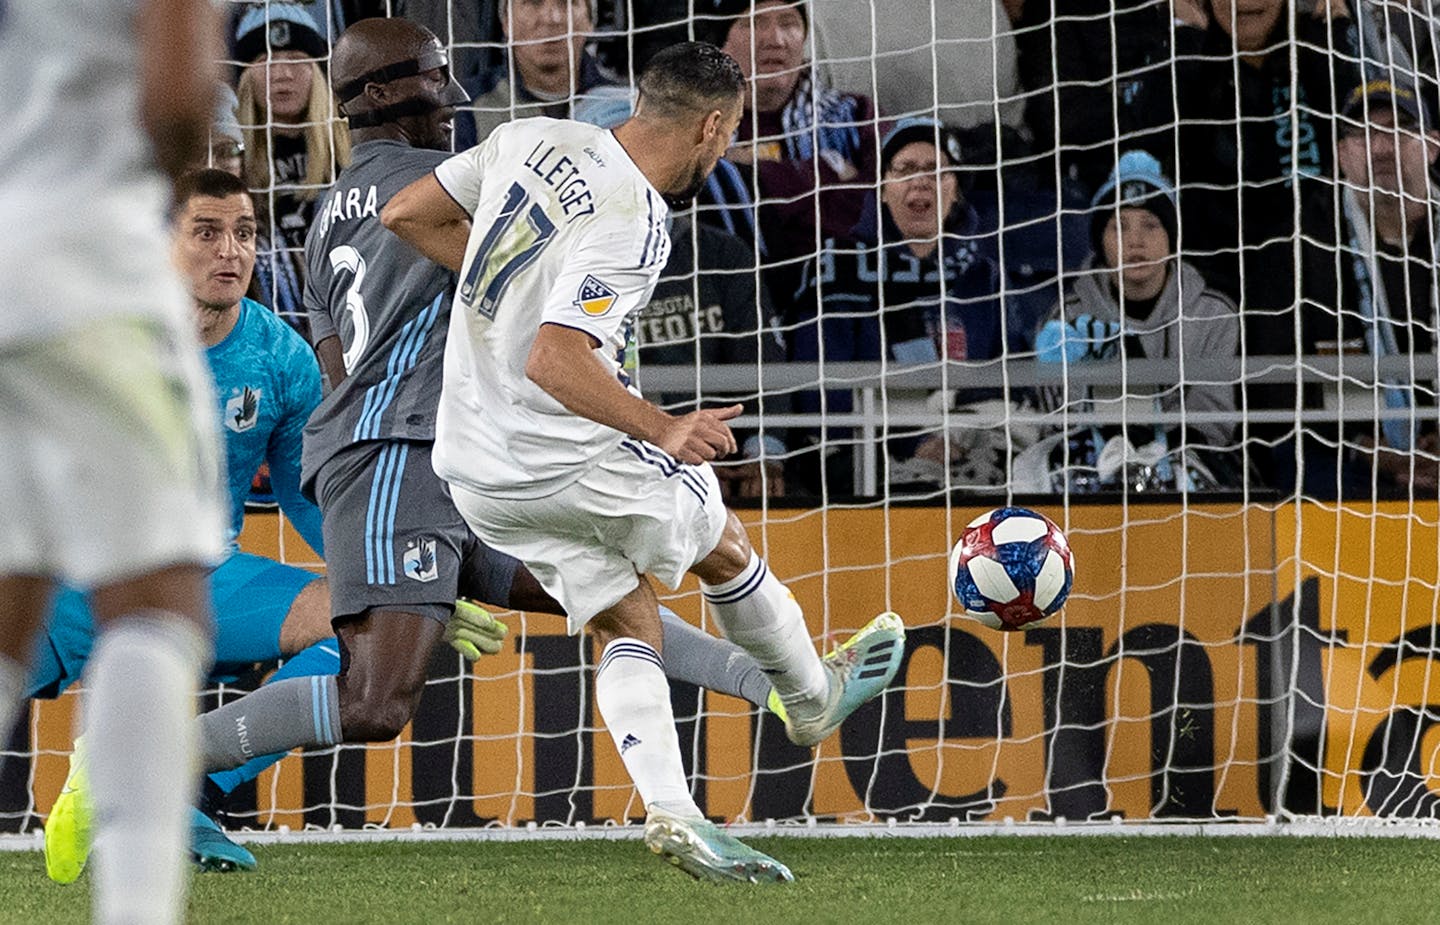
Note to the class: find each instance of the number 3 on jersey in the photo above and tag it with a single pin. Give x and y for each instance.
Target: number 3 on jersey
(504, 251)
(346, 257)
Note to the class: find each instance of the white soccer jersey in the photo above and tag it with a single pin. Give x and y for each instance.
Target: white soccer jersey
(82, 210)
(566, 230)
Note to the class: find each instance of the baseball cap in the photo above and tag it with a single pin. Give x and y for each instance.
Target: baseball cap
(1379, 96)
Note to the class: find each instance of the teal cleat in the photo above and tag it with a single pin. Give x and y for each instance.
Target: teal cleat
(212, 850)
(859, 669)
(702, 850)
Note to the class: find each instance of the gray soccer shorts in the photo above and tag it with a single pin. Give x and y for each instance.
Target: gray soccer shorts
(393, 539)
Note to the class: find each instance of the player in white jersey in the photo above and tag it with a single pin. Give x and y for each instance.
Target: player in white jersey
(109, 467)
(559, 232)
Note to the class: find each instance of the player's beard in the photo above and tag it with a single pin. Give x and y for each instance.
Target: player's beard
(685, 196)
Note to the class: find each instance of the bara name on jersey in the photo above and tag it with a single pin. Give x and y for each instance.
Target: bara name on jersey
(349, 204)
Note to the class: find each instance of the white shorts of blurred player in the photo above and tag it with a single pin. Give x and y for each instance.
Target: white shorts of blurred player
(109, 462)
(636, 510)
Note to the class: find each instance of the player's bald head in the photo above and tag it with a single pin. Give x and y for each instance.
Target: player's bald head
(376, 43)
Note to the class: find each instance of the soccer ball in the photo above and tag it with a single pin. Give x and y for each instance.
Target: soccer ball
(1012, 568)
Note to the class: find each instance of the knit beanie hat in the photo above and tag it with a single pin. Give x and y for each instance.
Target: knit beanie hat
(1137, 182)
(713, 18)
(278, 27)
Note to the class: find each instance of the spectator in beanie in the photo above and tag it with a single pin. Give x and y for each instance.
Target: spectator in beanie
(1136, 299)
(915, 277)
(295, 141)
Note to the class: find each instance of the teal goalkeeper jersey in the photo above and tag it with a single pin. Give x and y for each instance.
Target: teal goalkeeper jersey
(267, 383)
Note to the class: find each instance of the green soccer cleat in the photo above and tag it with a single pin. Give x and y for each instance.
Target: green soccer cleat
(213, 851)
(701, 849)
(775, 705)
(859, 669)
(67, 828)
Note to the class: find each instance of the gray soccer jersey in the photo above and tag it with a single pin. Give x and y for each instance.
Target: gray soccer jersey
(387, 303)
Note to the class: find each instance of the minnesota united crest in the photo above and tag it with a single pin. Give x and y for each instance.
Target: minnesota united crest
(419, 561)
(243, 410)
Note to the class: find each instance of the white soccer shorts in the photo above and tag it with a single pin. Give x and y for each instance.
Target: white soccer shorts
(636, 510)
(109, 463)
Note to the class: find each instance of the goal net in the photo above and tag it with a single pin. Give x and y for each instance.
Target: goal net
(1164, 270)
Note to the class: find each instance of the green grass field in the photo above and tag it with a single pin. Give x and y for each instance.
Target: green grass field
(1167, 880)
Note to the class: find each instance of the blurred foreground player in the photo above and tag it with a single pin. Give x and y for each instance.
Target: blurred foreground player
(109, 467)
(267, 384)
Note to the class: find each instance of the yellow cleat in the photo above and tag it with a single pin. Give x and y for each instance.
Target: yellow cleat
(775, 705)
(67, 828)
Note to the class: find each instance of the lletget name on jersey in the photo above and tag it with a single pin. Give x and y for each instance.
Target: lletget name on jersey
(563, 176)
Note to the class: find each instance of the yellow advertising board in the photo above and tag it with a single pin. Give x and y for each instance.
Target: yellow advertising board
(1163, 691)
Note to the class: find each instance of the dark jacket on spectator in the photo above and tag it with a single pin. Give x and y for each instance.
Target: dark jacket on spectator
(1351, 276)
(729, 325)
(1270, 154)
(861, 300)
(864, 299)
(1103, 71)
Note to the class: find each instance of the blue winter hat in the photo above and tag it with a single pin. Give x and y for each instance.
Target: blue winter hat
(1137, 182)
(278, 27)
(920, 128)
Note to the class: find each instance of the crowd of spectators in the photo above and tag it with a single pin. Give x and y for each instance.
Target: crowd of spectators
(996, 182)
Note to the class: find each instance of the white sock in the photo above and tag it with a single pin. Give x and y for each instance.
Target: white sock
(634, 699)
(760, 615)
(140, 736)
(12, 692)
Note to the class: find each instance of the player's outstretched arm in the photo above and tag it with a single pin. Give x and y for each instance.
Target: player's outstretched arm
(429, 220)
(562, 361)
(179, 45)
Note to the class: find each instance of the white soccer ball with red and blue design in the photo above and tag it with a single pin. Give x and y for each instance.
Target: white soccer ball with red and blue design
(1011, 568)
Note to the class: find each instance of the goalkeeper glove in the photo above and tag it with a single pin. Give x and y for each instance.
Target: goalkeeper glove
(472, 631)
